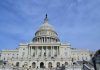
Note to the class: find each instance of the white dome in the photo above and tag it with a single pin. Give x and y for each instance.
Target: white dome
(46, 26)
(46, 31)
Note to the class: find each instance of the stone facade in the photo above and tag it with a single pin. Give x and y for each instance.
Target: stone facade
(45, 50)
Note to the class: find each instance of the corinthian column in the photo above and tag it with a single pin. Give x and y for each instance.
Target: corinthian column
(57, 51)
(35, 51)
(31, 50)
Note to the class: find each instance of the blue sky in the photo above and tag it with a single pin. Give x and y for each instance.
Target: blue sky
(76, 21)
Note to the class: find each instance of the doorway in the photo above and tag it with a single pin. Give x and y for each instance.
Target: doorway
(41, 65)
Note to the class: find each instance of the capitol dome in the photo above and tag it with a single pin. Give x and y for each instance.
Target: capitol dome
(46, 33)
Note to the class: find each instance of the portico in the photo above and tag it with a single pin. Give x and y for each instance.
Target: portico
(43, 51)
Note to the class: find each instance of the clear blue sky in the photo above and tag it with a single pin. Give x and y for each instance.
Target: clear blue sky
(76, 21)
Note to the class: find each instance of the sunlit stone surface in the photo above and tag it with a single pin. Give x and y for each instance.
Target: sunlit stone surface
(44, 51)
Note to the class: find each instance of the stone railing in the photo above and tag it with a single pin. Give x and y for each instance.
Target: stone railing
(23, 68)
(39, 59)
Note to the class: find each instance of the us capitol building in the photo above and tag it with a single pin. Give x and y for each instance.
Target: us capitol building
(45, 50)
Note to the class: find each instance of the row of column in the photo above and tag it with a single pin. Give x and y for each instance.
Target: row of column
(35, 51)
(46, 39)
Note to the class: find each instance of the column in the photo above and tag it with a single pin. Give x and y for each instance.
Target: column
(52, 51)
(35, 51)
(30, 50)
(46, 51)
(44, 39)
(47, 39)
(57, 51)
(42, 51)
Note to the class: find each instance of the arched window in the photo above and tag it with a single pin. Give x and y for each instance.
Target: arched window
(17, 64)
(49, 65)
(58, 64)
(25, 64)
(33, 65)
